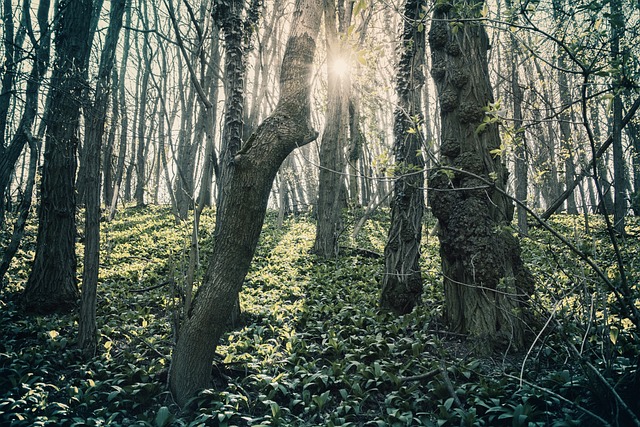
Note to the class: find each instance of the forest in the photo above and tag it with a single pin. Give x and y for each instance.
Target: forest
(319, 213)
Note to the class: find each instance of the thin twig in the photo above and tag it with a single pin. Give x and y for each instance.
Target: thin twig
(563, 399)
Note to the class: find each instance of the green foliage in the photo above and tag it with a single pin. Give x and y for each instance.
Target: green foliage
(312, 347)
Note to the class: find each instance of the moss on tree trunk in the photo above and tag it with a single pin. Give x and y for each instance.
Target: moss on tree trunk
(486, 284)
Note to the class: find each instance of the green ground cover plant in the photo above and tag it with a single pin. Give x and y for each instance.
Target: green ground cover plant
(312, 348)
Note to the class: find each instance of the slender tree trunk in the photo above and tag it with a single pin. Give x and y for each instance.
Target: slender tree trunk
(141, 156)
(402, 280)
(621, 183)
(210, 168)
(486, 284)
(23, 211)
(107, 154)
(521, 154)
(9, 155)
(88, 330)
(229, 17)
(52, 282)
(124, 123)
(633, 130)
(243, 208)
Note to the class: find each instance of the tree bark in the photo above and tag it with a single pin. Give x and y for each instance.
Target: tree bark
(402, 280)
(521, 154)
(243, 208)
(485, 282)
(141, 156)
(88, 330)
(124, 124)
(331, 182)
(619, 176)
(52, 282)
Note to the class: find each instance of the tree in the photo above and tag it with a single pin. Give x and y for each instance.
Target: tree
(12, 45)
(619, 174)
(486, 284)
(9, 156)
(94, 132)
(119, 83)
(402, 280)
(52, 282)
(521, 175)
(331, 183)
(236, 32)
(242, 211)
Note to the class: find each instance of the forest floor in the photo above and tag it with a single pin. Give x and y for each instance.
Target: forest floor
(312, 348)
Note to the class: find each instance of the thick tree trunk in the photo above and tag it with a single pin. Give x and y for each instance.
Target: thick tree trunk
(243, 208)
(486, 284)
(402, 280)
(334, 141)
(88, 330)
(52, 282)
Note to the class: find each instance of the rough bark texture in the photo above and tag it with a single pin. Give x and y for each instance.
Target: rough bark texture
(402, 280)
(486, 284)
(331, 183)
(243, 207)
(52, 282)
(88, 331)
(228, 14)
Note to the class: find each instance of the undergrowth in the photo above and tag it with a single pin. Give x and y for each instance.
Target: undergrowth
(312, 349)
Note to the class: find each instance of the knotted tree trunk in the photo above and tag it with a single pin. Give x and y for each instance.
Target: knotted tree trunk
(486, 284)
(243, 206)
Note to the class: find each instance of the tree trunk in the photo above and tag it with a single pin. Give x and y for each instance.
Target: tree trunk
(229, 18)
(633, 130)
(52, 282)
(485, 282)
(521, 161)
(88, 330)
(619, 176)
(210, 168)
(141, 156)
(334, 141)
(243, 208)
(402, 280)
(9, 155)
(124, 124)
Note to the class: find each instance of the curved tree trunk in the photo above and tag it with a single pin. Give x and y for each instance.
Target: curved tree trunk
(486, 284)
(402, 280)
(243, 207)
(52, 282)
